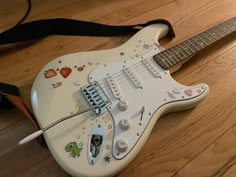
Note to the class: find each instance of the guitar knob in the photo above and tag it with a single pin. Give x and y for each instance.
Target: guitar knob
(122, 105)
(124, 124)
(121, 145)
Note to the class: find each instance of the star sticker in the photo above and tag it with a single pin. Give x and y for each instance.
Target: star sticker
(107, 159)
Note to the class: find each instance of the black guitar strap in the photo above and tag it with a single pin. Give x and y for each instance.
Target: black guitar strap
(9, 94)
(41, 28)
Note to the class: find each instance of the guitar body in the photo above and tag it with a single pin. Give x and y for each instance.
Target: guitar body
(133, 91)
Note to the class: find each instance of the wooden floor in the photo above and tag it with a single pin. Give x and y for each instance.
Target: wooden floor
(200, 142)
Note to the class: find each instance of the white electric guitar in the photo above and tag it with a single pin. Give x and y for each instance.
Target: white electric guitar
(121, 92)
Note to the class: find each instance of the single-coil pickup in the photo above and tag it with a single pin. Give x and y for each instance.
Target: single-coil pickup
(114, 88)
(151, 68)
(133, 77)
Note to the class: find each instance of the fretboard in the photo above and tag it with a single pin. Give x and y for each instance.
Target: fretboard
(192, 46)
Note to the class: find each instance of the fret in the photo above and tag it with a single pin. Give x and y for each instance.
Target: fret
(169, 57)
(231, 25)
(191, 46)
(165, 59)
(183, 50)
(187, 48)
(161, 62)
(176, 55)
(200, 41)
(222, 32)
(180, 53)
(209, 36)
(215, 33)
(204, 39)
(225, 28)
(166, 63)
(195, 43)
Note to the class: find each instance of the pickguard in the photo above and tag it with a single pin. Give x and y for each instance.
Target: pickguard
(155, 89)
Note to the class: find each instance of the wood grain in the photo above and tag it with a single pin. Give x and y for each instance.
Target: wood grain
(198, 142)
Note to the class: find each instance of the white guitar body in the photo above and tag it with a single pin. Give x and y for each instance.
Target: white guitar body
(136, 92)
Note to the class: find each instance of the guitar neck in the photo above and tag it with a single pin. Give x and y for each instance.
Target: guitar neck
(184, 50)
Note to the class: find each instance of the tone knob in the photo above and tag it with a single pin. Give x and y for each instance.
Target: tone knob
(121, 145)
(124, 124)
(122, 105)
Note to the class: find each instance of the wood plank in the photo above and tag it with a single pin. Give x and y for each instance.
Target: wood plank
(178, 140)
(219, 159)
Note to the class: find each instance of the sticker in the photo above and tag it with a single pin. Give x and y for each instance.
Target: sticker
(50, 73)
(107, 159)
(146, 46)
(188, 92)
(56, 84)
(77, 82)
(73, 149)
(108, 146)
(199, 91)
(81, 144)
(176, 90)
(80, 69)
(171, 95)
(65, 72)
(122, 53)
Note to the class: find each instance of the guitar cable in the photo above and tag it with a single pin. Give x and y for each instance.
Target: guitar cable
(39, 132)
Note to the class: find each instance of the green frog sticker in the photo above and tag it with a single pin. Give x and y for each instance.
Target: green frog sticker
(74, 149)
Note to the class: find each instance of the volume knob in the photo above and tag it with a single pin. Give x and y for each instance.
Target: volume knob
(124, 124)
(122, 105)
(121, 145)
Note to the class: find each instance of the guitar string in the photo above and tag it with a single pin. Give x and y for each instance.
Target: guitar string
(124, 81)
(119, 76)
(122, 76)
(105, 88)
(121, 73)
(132, 68)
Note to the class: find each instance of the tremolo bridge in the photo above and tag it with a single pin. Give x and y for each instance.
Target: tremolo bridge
(96, 97)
